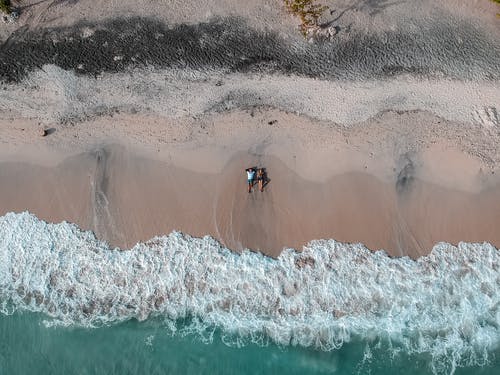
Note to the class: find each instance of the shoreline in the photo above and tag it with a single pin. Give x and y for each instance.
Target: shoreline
(125, 198)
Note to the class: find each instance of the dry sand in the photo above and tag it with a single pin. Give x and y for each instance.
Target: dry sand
(372, 15)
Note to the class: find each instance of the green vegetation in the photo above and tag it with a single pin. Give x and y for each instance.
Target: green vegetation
(308, 12)
(5, 6)
(498, 2)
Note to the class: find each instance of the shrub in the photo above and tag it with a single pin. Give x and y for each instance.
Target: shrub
(307, 11)
(5, 6)
(498, 2)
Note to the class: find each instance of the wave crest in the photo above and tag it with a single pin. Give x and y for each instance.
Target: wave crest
(445, 304)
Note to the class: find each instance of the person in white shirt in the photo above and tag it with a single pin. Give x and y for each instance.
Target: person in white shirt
(250, 177)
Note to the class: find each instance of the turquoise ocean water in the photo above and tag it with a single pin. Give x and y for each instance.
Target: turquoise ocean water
(69, 304)
(28, 347)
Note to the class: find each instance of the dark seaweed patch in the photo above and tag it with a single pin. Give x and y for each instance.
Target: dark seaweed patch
(456, 50)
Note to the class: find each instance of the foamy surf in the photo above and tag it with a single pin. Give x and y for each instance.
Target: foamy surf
(445, 305)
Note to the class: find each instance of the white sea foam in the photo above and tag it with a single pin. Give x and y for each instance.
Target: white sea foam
(446, 305)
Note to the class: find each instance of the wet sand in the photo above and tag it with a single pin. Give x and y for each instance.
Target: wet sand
(125, 198)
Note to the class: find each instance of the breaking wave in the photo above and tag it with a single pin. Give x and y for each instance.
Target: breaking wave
(445, 305)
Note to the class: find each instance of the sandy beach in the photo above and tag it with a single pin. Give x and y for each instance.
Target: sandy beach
(366, 137)
(344, 188)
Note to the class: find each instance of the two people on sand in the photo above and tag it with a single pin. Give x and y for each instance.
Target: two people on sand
(251, 172)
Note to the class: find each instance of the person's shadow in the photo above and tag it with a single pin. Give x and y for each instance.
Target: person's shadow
(266, 178)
